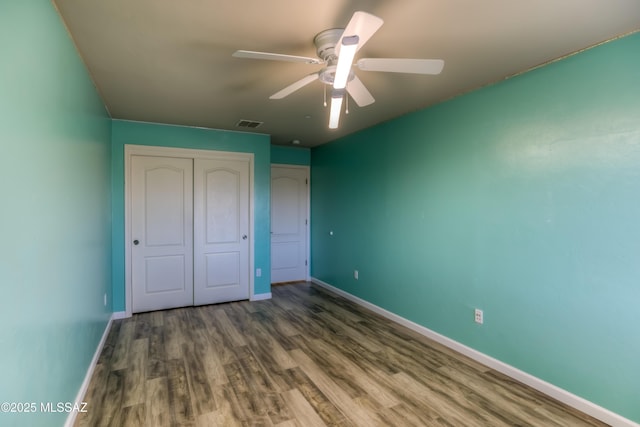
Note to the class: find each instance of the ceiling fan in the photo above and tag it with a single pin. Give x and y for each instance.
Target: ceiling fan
(336, 49)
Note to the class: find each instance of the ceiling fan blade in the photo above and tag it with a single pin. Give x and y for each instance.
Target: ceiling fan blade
(295, 86)
(402, 65)
(359, 92)
(363, 25)
(249, 54)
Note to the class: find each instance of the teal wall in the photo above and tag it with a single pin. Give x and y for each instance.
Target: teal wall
(290, 155)
(136, 133)
(55, 219)
(522, 199)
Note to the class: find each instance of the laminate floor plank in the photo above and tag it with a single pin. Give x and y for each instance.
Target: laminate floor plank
(133, 416)
(408, 346)
(494, 398)
(445, 406)
(258, 383)
(271, 333)
(332, 367)
(179, 398)
(302, 410)
(173, 337)
(119, 359)
(337, 395)
(382, 395)
(556, 411)
(247, 405)
(136, 373)
(111, 407)
(289, 423)
(110, 343)
(211, 359)
(401, 415)
(95, 395)
(143, 326)
(228, 329)
(157, 398)
(197, 380)
(230, 407)
(344, 329)
(307, 357)
(156, 355)
(221, 345)
(325, 409)
(259, 336)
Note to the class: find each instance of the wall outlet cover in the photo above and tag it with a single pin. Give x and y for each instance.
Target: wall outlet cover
(479, 316)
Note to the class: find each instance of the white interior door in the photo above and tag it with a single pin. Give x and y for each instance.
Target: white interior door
(289, 223)
(221, 230)
(161, 232)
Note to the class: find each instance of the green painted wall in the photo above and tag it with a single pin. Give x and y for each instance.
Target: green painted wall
(290, 155)
(523, 199)
(136, 133)
(55, 219)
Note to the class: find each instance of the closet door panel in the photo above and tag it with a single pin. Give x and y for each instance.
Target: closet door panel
(162, 232)
(221, 230)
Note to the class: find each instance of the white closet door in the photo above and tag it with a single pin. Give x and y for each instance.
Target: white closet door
(221, 230)
(289, 223)
(162, 232)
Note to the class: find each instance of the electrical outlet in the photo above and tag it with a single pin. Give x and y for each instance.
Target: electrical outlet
(355, 274)
(479, 316)
(258, 272)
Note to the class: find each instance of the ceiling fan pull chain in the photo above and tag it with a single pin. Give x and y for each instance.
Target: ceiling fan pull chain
(346, 108)
(325, 95)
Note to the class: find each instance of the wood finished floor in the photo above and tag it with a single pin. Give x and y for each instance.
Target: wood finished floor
(306, 357)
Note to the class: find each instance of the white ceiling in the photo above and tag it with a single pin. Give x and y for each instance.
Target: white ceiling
(170, 61)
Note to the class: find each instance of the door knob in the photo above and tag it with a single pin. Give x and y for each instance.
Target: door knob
(244, 237)
(135, 242)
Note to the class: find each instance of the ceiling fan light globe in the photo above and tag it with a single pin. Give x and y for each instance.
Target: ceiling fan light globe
(336, 107)
(345, 60)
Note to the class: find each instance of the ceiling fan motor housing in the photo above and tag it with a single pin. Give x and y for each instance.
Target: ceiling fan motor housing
(325, 43)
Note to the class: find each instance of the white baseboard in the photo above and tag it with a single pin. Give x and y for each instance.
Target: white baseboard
(119, 315)
(71, 418)
(549, 389)
(260, 297)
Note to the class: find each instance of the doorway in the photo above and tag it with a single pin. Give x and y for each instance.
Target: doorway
(289, 223)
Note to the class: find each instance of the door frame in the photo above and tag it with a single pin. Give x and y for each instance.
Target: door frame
(307, 169)
(146, 150)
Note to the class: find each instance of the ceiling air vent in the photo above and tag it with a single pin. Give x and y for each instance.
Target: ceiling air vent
(252, 124)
